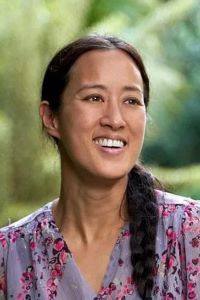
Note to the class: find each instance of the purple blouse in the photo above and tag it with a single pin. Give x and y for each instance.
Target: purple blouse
(36, 263)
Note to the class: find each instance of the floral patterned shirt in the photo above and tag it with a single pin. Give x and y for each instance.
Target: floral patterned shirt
(36, 263)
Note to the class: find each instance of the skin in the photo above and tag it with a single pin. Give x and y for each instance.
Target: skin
(104, 99)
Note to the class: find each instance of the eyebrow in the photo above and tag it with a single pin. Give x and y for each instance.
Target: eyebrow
(103, 87)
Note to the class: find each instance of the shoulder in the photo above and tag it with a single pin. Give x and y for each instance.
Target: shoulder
(170, 203)
(178, 244)
(179, 212)
(165, 198)
(25, 227)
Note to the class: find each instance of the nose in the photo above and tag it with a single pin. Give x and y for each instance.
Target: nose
(112, 116)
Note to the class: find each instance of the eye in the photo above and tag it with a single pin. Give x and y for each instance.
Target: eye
(133, 101)
(94, 98)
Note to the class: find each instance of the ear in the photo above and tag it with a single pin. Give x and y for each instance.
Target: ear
(49, 119)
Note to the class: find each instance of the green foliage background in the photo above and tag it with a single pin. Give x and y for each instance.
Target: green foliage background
(168, 35)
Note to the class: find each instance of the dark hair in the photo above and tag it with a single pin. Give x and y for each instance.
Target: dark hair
(141, 198)
(57, 74)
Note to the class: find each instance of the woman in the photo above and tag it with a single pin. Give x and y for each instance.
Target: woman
(111, 234)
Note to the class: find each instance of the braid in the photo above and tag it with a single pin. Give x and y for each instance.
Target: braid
(143, 218)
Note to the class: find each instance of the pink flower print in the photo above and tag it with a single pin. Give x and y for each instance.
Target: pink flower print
(63, 257)
(129, 291)
(171, 262)
(167, 210)
(191, 295)
(20, 296)
(193, 275)
(112, 286)
(58, 245)
(190, 286)
(191, 292)
(105, 291)
(165, 213)
(163, 258)
(2, 284)
(169, 296)
(13, 236)
(56, 271)
(48, 241)
(125, 234)
(50, 283)
(32, 245)
(120, 262)
(52, 286)
(188, 211)
(58, 267)
(171, 234)
(156, 290)
(27, 277)
(195, 242)
(44, 224)
(2, 240)
(195, 261)
(129, 280)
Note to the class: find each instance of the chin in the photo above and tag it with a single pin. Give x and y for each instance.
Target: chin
(113, 173)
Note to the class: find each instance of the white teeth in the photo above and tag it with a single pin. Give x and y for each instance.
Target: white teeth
(110, 143)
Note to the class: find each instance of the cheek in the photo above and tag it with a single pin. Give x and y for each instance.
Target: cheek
(77, 121)
(138, 125)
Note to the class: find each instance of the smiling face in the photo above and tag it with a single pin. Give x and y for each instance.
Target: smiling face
(101, 122)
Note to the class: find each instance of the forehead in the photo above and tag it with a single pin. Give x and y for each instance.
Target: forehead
(107, 64)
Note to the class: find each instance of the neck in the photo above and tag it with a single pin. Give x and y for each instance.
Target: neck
(90, 210)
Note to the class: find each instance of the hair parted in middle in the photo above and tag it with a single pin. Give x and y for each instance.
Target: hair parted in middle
(58, 71)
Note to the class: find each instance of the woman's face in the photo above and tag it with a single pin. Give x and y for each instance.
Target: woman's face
(101, 121)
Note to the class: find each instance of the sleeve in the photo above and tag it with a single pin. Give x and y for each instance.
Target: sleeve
(191, 238)
(3, 247)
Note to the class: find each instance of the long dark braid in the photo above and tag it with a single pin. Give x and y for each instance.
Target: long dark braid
(143, 218)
